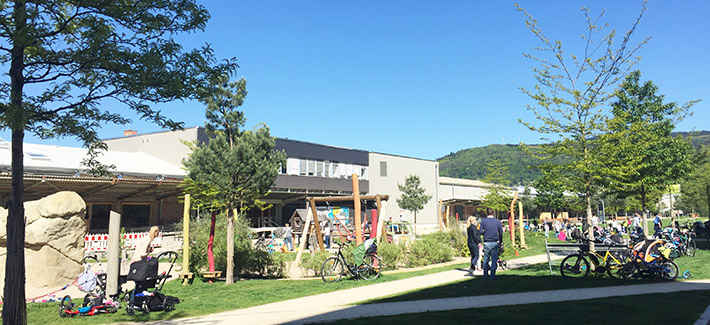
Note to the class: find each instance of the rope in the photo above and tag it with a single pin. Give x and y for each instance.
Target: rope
(47, 294)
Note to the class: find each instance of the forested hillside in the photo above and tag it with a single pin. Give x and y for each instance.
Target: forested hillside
(471, 163)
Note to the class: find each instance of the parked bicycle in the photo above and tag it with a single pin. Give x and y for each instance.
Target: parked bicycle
(336, 266)
(651, 258)
(577, 266)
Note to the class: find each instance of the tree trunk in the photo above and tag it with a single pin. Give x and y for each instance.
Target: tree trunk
(230, 246)
(14, 310)
(707, 194)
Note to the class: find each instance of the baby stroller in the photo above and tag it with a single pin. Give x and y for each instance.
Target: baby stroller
(502, 264)
(145, 274)
(94, 284)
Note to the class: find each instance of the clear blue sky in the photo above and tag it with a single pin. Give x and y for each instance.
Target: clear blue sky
(422, 78)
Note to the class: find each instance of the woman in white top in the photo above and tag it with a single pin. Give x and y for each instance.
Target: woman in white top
(143, 247)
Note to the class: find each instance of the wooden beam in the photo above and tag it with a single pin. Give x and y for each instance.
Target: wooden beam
(356, 201)
(384, 197)
(185, 274)
(152, 187)
(317, 224)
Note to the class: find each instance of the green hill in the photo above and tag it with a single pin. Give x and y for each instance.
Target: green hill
(471, 163)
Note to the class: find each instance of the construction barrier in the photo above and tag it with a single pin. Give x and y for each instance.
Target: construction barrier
(99, 242)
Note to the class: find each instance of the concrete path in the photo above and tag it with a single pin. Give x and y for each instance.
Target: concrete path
(339, 305)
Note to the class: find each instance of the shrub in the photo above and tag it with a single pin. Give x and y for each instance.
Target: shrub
(455, 238)
(429, 250)
(247, 260)
(392, 255)
(313, 262)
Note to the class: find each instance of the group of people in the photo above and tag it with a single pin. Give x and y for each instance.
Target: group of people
(485, 235)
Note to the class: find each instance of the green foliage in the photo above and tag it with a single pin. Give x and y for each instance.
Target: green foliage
(644, 155)
(313, 262)
(428, 250)
(392, 254)
(550, 192)
(455, 237)
(497, 197)
(248, 261)
(413, 195)
(695, 189)
(567, 98)
(471, 163)
(65, 60)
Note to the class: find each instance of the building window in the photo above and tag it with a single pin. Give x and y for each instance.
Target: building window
(99, 217)
(319, 168)
(302, 167)
(135, 215)
(335, 173)
(311, 167)
(383, 169)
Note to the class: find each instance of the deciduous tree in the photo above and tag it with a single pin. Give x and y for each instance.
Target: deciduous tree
(413, 196)
(497, 197)
(569, 98)
(64, 59)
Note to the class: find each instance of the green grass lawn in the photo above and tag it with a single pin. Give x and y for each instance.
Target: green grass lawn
(202, 298)
(669, 308)
(537, 278)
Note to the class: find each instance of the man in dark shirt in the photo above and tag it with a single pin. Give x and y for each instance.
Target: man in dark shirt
(492, 231)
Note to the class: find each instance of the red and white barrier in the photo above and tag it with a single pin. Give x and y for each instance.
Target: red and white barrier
(99, 242)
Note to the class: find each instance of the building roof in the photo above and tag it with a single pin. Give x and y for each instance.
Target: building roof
(59, 160)
(462, 182)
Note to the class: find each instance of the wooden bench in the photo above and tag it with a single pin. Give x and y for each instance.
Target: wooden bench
(570, 248)
(212, 275)
(185, 277)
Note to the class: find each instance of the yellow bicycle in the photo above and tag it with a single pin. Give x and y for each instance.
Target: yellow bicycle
(577, 266)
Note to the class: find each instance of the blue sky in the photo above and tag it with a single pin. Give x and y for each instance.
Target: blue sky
(421, 78)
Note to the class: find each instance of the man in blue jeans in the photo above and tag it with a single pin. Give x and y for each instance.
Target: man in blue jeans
(492, 231)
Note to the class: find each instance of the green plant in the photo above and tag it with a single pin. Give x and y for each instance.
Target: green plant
(313, 262)
(248, 262)
(391, 254)
(427, 251)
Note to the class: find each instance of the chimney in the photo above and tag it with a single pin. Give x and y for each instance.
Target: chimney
(129, 133)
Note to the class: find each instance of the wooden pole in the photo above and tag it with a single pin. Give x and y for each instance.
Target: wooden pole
(356, 201)
(383, 224)
(304, 234)
(380, 216)
(186, 240)
(520, 225)
(441, 220)
(511, 219)
(317, 223)
(446, 217)
(114, 249)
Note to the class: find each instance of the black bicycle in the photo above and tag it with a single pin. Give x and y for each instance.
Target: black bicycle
(335, 266)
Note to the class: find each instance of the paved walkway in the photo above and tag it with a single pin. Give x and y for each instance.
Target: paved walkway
(339, 305)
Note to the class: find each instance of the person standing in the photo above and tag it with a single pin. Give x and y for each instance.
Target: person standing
(326, 233)
(474, 239)
(492, 231)
(143, 247)
(657, 224)
(288, 237)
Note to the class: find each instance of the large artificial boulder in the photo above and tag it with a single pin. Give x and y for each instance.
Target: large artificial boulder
(54, 239)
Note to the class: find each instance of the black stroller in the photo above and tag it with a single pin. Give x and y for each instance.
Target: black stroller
(145, 274)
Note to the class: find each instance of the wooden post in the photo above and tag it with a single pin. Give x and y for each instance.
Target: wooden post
(114, 249)
(441, 219)
(520, 225)
(304, 234)
(446, 217)
(511, 219)
(317, 223)
(381, 221)
(356, 201)
(185, 274)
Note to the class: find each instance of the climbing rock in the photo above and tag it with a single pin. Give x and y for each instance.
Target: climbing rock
(54, 239)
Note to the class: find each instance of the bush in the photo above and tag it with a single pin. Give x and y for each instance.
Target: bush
(248, 261)
(455, 237)
(392, 255)
(429, 250)
(313, 262)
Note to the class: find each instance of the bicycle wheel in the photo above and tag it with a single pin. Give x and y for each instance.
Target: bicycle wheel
(65, 305)
(690, 250)
(373, 267)
(669, 270)
(574, 267)
(615, 265)
(332, 269)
